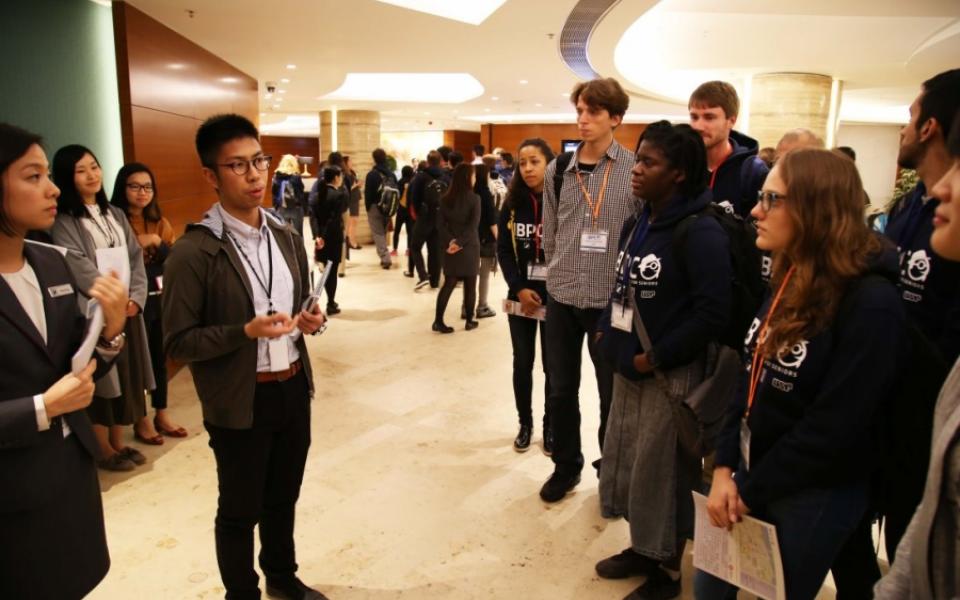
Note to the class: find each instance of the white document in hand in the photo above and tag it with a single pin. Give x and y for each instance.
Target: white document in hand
(748, 556)
(114, 259)
(512, 307)
(94, 326)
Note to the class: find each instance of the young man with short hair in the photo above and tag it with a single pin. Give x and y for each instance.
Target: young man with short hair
(234, 287)
(736, 172)
(378, 177)
(425, 221)
(581, 230)
(478, 151)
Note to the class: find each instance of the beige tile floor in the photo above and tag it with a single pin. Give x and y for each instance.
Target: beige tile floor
(412, 488)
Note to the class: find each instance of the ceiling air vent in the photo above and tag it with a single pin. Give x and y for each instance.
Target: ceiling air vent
(575, 36)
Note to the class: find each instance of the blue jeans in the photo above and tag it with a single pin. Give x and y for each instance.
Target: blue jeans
(812, 526)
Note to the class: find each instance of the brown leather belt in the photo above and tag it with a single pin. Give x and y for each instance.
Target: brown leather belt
(271, 376)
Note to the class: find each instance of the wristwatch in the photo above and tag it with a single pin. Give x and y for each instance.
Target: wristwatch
(113, 344)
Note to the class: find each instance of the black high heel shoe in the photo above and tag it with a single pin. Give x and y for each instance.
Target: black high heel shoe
(439, 327)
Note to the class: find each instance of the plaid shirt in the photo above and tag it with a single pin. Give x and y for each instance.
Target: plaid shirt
(585, 279)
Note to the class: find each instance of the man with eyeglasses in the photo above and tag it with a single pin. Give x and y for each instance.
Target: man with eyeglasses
(235, 283)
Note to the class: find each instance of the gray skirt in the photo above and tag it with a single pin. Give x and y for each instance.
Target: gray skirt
(646, 478)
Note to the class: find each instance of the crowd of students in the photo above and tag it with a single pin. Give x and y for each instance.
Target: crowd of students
(686, 264)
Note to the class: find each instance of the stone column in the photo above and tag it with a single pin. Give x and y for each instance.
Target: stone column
(356, 133)
(780, 102)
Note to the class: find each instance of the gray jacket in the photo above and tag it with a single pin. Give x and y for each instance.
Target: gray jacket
(69, 232)
(915, 569)
(207, 299)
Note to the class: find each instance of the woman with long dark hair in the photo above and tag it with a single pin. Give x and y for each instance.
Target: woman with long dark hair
(327, 225)
(52, 538)
(135, 192)
(520, 253)
(801, 441)
(457, 221)
(681, 297)
(86, 223)
(488, 238)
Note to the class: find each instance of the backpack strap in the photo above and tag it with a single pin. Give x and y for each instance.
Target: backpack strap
(563, 161)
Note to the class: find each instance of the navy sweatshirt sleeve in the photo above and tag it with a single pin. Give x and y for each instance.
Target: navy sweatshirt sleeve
(829, 440)
(709, 275)
(505, 253)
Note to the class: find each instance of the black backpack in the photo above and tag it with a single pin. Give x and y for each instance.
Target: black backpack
(389, 195)
(748, 287)
(563, 161)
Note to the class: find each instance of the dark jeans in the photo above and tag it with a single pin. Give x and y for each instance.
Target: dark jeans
(432, 269)
(259, 471)
(566, 327)
(158, 397)
(469, 295)
(812, 526)
(523, 334)
(855, 570)
(402, 218)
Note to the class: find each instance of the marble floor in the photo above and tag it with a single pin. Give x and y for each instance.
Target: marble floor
(412, 487)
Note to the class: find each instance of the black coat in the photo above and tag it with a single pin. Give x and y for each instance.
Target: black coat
(52, 540)
(327, 223)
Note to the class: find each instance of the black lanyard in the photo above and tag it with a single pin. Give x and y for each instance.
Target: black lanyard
(109, 236)
(268, 287)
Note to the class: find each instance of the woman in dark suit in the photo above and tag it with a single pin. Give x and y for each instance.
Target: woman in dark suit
(458, 221)
(327, 225)
(52, 540)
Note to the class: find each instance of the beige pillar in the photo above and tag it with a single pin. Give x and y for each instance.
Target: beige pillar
(780, 102)
(355, 133)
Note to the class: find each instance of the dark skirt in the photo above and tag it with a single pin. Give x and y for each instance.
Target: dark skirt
(130, 406)
(58, 550)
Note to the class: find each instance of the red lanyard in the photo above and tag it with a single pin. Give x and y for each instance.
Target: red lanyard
(761, 338)
(536, 229)
(603, 189)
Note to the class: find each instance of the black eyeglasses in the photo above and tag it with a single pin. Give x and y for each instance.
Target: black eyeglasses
(240, 167)
(136, 188)
(768, 200)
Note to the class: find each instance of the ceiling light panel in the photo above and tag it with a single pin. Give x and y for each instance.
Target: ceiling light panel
(408, 87)
(473, 12)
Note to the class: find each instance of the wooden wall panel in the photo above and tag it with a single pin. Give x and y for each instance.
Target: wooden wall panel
(509, 136)
(462, 141)
(168, 87)
(277, 145)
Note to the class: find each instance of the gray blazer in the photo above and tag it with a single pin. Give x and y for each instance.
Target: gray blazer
(913, 570)
(69, 232)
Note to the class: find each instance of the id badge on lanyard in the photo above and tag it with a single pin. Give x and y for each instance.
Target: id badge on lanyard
(537, 272)
(621, 316)
(594, 241)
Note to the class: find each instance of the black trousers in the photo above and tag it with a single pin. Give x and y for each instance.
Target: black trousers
(566, 328)
(158, 397)
(259, 471)
(330, 285)
(523, 335)
(432, 270)
(469, 295)
(855, 569)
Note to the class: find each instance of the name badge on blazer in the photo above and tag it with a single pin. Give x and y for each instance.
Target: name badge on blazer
(56, 291)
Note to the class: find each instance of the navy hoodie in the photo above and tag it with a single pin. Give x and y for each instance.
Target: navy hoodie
(740, 176)
(684, 307)
(520, 234)
(815, 418)
(929, 284)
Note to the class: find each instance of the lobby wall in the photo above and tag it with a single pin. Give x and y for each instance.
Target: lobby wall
(509, 136)
(877, 147)
(167, 87)
(60, 77)
(278, 145)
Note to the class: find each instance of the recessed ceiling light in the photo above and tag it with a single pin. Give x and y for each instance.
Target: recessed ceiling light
(291, 67)
(564, 94)
(276, 106)
(284, 80)
(281, 91)
(455, 111)
(176, 66)
(538, 104)
(229, 80)
(524, 82)
(494, 98)
(426, 112)
(408, 87)
(486, 110)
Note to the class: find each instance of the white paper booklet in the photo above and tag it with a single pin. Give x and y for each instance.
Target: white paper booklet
(748, 556)
(512, 307)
